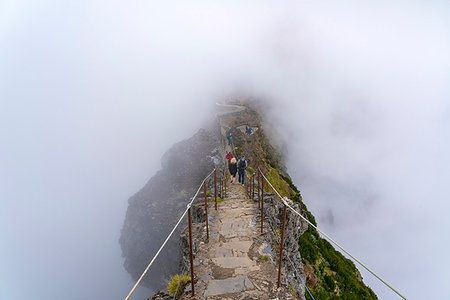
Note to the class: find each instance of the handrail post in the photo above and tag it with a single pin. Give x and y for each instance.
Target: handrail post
(206, 210)
(253, 187)
(262, 202)
(259, 187)
(190, 249)
(225, 193)
(215, 189)
(281, 246)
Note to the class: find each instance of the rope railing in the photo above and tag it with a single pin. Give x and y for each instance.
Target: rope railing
(284, 200)
(188, 207)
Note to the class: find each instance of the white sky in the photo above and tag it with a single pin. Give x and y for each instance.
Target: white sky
(92, 93)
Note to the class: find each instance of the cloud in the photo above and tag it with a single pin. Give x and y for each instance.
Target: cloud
(93, 94)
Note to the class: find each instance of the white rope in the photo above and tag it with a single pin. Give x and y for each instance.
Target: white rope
(328, 237)
(168, 237)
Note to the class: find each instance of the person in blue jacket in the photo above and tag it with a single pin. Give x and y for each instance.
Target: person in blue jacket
(241, 166)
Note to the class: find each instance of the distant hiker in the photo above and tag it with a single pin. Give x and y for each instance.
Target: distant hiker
(241, 166)
(229, 139)
(250, 131)
(232, 167)
(246, 129)
(229, 156)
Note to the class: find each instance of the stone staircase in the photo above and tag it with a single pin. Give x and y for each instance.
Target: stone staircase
(236, 262)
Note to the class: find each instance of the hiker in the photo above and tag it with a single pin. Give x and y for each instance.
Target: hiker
(246, 129)
(229, 139)
(229, 156)
(250, 131)
(242, 165)
(232, 167)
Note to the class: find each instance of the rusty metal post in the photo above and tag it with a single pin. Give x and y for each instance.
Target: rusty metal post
(259, 188)
(215, 189)
(206, 210)
(281, 246)
(262, 202)
(253, 187)
(190, 249)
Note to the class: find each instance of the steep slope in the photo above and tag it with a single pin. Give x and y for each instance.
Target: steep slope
(153, 211)
(329, 274)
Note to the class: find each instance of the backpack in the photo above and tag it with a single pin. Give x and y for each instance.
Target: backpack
(241, 164)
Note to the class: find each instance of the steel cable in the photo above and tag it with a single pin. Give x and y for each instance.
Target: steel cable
(329, 238)
(168, 237)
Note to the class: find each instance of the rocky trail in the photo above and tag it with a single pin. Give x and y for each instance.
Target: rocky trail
(236, 262)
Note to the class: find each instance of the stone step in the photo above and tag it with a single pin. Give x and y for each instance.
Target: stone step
(228, 286)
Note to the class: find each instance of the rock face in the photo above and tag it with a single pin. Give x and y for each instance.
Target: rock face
(154, 210)
(294, 228)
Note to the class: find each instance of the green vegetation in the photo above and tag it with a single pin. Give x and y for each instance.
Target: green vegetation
(263, 258)
(335, 277)
(250, 171)
(294, 293)
(177, 284)
(278, 183)
(329, 274)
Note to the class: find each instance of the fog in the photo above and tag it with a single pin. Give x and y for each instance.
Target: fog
(93, 93)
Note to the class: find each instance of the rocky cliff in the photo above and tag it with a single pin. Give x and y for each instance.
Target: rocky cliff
(153, 211)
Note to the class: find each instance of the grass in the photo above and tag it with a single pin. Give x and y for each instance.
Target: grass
(177, 284)
(250, 171)
(218, 199)
(293, 292)
(332, 269)
(278, 183)
(263, 258)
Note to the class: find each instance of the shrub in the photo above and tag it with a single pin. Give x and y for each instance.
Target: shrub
(177, 284)
(262, 258)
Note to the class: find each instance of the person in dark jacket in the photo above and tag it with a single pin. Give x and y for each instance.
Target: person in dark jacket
(242, 165)
(232, 167)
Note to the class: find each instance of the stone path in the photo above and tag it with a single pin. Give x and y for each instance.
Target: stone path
(233, 263)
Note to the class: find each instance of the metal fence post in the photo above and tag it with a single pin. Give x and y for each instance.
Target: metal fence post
(259, 187)
(190, 249)
(281, 245)
(225, 186)
(206, 210)
(262, 202)
(253, 187)
(215, 189)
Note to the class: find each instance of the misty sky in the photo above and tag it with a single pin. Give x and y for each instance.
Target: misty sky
(92, 93)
